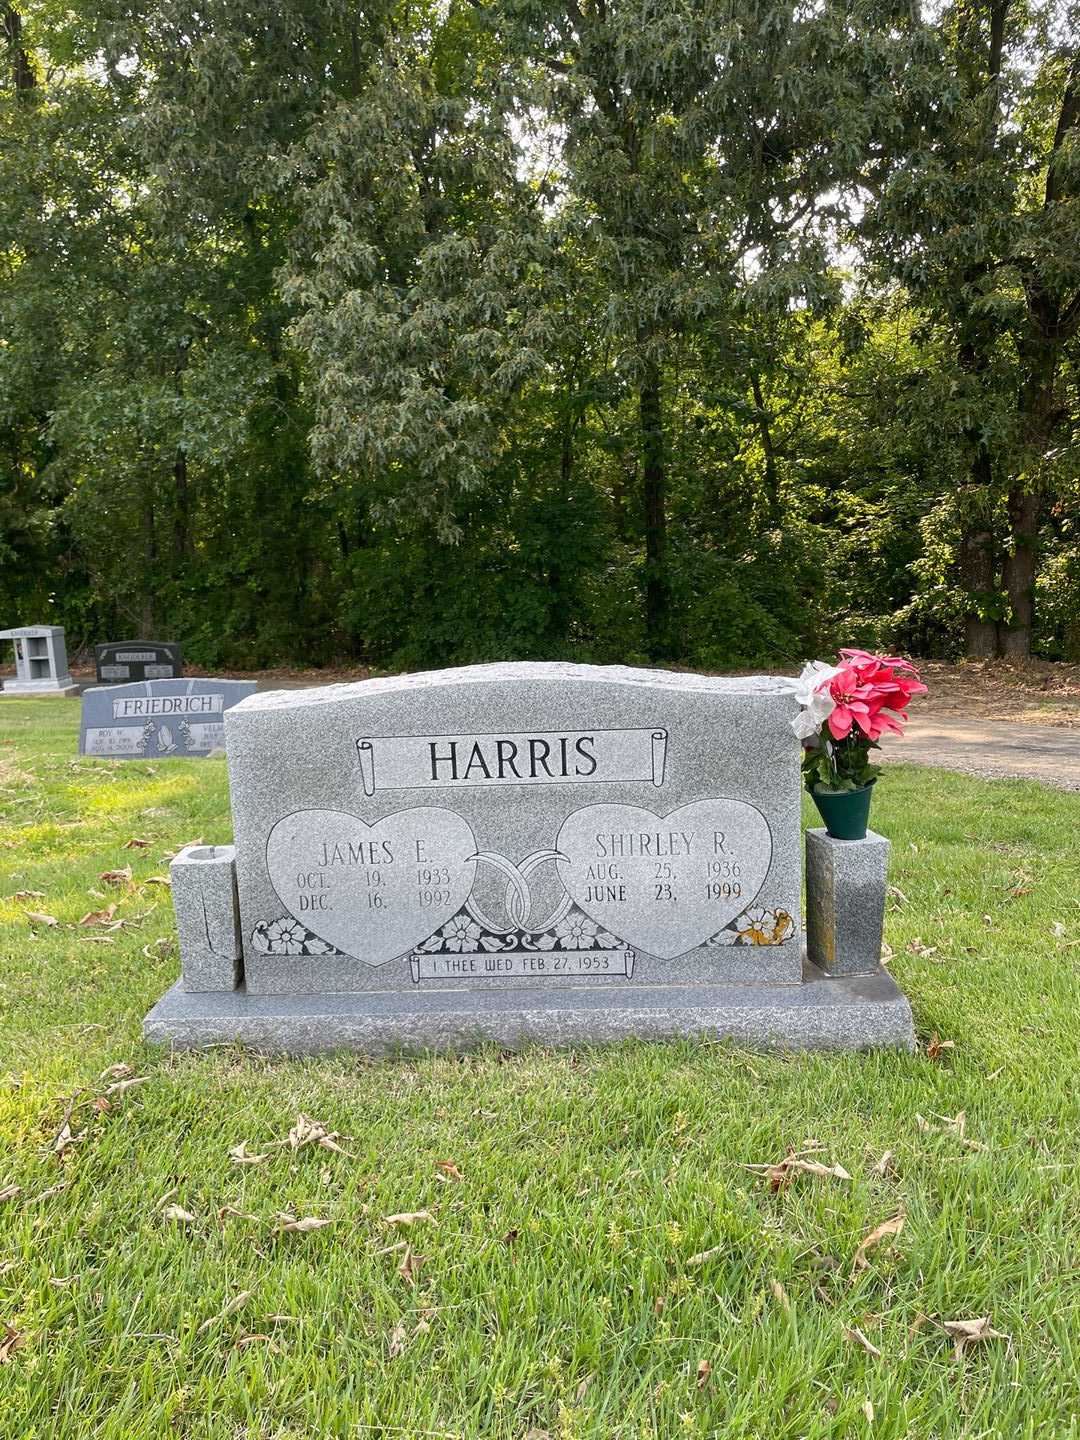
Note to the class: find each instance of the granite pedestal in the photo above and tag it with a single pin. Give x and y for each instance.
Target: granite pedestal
(845, 901)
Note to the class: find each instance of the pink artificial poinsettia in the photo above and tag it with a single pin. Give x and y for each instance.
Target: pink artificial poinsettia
(871, 692)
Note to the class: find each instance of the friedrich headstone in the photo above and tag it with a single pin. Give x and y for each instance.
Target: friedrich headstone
(125, 660)
(158, 718)
(41, 663)
(511, 852)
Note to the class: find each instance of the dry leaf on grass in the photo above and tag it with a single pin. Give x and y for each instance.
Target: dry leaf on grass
(136, 844)
(120, 1071)
(868, 1411)
(892, 1226)
(121, 1087)
(885, 1165)
(399, 1335)
(409, 1217)
(10, 1191)
(98, 917)
(856, 1336)
(35, 917)
(246, 1340)
(241, 1155)
(936, 1047)
(703, 1256)
(157, 880)
(970, 1332)
(29, 895)
(177, 1214)
(225, 1211)
(450, 1170)
(782, 1172)
(65, 1136)
(229, 1309)
(311, 1132)
(302, 1226)
(116, 877)
(10, 1343)
(780, 1295)
(410, 1266)
(704, 1370)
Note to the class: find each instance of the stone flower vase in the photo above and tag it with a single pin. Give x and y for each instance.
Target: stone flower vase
(846, 812)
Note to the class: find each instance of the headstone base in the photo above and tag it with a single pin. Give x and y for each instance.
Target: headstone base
(853, 1012)
(21, 689)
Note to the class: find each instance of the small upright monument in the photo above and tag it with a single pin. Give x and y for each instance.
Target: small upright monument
(41, 663)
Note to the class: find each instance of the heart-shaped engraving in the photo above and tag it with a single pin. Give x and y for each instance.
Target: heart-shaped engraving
(372, 891)
(665, 884)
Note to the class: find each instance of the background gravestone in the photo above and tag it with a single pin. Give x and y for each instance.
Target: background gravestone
(158, 718)
(126, 660)
(503, 852)
(41, 663)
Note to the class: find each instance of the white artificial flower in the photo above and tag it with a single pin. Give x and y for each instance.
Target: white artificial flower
(817, 703)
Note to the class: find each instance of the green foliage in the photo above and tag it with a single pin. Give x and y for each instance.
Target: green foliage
(432, 333)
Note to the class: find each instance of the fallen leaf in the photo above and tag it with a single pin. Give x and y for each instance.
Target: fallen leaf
(120, 1071)
(658, 1305)
(780, 1295)
(449, 1169)
(116, 877)
(231, 1308)
(100, 1104)
(241, 1155)
(157, 880)
(311, 1132)
(96, 940)
(98, 917)
(704, 1370)
(510, 1236)
(29, 895)
(970, 1332)
(393, 1249)
(703, 1255)
(892, 1226)
(136, 844)
(780, 1173)
(303, 1226)
(9, 1343)
(409, 1217)
(177, 1213)
(65, 1137)
(410, 1265)
(37, 918)
(398, 1337)
(885, 1165)
(936, 1047)
(121, 1087)
(246, 1340)
(868, 1411)
(225, 1211)
(857, 1337)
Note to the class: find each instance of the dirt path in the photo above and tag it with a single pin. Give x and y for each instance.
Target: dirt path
(992, 748)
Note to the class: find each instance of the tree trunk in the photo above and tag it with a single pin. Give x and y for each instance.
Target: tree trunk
(181, 528)
(772, 479)
(976, 560)
(23, 77)
(1018, 572)
(149, 578)
(654, 493)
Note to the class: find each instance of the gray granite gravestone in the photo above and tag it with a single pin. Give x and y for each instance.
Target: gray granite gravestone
(158, 718)
(118, 661)
(41, 663)
(510, 852)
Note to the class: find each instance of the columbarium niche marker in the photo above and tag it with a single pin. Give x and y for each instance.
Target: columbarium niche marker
(41, 663)
(516, 852)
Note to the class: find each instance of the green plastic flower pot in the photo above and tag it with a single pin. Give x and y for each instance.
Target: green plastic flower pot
(846, 812)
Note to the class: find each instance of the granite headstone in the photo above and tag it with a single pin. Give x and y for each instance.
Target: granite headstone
(522, 851)
(119, 661)
(158, 718)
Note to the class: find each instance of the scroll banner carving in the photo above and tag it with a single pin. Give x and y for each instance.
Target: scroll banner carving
(557, 757)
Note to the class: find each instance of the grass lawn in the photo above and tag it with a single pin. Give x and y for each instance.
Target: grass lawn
(606, 1265)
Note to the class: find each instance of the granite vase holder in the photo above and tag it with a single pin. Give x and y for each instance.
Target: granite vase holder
(845, 902)
(846, 812)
